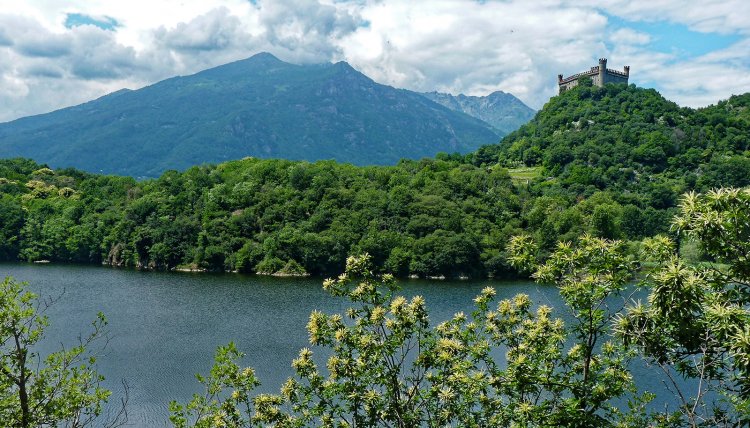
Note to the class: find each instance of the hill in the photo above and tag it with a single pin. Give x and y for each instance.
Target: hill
(609, 161)
(619, 136)
(260, 107)
(628, 149)
(503, 111)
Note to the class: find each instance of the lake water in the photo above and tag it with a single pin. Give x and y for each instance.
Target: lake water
(165, 327)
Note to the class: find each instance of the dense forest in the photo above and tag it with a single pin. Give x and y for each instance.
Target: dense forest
(608, 161)
(428, 218)
(630, 139)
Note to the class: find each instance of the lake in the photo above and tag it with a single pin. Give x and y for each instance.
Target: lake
(165, 326)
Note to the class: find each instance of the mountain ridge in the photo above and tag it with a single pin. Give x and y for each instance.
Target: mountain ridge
(503, 111)
(260, 106)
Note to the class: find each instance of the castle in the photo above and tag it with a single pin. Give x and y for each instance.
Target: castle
(599, 76)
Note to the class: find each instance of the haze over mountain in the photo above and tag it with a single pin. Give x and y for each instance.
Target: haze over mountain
(502, 110)
(260, 107)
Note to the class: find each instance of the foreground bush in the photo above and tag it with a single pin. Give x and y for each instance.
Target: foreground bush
(512, 364)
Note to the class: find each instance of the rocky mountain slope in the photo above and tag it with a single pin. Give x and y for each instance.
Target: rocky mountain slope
(503, 111)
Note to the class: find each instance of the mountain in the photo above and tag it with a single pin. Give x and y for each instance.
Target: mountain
(503, 111)
(611, 162)
(258, 107)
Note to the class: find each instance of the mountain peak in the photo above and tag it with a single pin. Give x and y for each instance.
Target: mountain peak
(259, 63)
(498, 94)
(502, 110)
(343, 65)
(265, 57)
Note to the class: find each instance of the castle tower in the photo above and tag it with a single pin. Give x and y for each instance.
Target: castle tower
(602, 72)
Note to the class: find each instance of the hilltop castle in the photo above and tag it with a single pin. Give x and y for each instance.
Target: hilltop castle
(599, 76)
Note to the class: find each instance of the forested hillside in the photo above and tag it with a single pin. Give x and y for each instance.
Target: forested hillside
(610, 161)
(627, 145)
(617, 137)
(429, 218)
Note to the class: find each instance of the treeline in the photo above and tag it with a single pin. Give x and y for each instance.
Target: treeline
(426, 218)
(449, 216)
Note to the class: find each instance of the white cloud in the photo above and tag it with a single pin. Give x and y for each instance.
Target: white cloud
(306, 28)
(474, 47)
(628, 36)
(698, 82)
(216, 30)
(465, 46)
(710, 16)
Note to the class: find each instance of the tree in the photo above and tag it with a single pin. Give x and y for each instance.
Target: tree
(592, 276)
(62, 389)
(513, 365)
(502, 365)
(697, 323)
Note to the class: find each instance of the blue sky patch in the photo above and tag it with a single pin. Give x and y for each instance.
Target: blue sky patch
(76, 19)
(668, 37)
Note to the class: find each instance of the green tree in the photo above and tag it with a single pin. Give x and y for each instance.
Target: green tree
(697, 323)
(389, 367)
(11, 220)
(590, 275)
(605, 221)
(61, 389)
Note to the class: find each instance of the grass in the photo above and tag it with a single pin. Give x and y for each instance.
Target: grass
(525, 174)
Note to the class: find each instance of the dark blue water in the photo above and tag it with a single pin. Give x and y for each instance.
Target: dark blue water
(164, 327)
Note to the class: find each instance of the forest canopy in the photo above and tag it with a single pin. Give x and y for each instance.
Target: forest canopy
(609, 162)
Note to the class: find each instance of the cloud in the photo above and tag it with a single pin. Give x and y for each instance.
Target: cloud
(698, 82)
(44, 48)
(54, 53)
(475, 48)
(42, 71)
(306, 30)
(5, 39)
(29, 38)
(628, 36)
(215, 30)
(97, 55)
(709, 16)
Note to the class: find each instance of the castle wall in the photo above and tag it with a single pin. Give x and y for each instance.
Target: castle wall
(600, 76)
(568, 86)
(615, 78)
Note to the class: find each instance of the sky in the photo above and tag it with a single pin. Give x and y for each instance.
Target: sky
(57, 53)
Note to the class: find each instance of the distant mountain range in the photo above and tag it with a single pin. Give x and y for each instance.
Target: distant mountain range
(503, 111)
(259, 107)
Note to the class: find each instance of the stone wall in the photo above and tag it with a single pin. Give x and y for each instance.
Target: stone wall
(597, 78)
